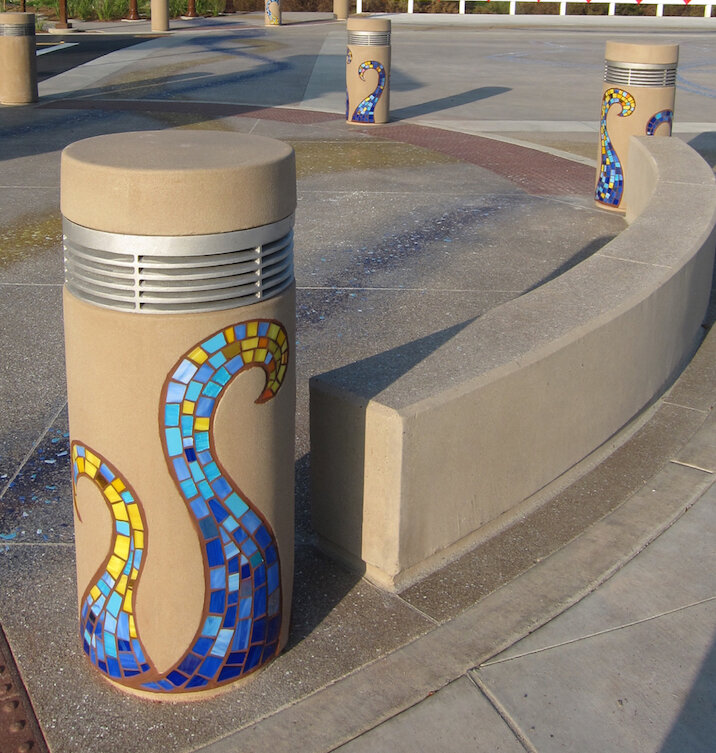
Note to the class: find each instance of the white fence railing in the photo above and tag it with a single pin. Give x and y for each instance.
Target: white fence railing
(563, 5)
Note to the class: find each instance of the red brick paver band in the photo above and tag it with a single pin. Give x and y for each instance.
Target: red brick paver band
(535, 172)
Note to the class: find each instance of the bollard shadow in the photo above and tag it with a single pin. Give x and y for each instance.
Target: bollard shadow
(111, 107)
(705, 145)
(319, 582)
(695, 727)
(447, 103)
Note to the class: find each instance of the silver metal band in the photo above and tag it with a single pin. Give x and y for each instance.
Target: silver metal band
(181, 274)
(640, 74)
(369, 38)
(17, 30)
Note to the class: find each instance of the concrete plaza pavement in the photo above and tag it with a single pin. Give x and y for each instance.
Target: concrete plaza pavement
(590, 628)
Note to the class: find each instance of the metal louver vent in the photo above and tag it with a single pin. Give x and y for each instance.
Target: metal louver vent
(183, 274)
(17, 30)
(369, 38)
(640, 74)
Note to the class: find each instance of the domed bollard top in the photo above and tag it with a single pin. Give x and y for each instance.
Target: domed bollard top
(179, 308)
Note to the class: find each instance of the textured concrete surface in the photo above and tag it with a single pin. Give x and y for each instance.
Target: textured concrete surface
(357, 657)
(614, 687)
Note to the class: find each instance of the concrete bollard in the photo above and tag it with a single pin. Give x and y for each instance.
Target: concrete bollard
(159, 11)
(637, 100)
(273, 13)
(18, 63)
(367, 98)
(180, 331)
(341, 9)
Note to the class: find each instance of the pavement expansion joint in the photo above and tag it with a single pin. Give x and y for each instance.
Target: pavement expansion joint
(692, 465)
(597, 633)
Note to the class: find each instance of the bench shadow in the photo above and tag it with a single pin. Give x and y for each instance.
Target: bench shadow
(585, 252)
(446, 103)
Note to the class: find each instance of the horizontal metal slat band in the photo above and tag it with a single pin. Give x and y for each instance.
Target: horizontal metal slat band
(369, 38)
(17, 30)
(182, 306)
(158, 274)
(640, 74)
(89, 278)
(204, 267)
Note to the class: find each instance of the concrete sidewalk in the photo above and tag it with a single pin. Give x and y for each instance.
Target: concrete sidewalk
(590, 626)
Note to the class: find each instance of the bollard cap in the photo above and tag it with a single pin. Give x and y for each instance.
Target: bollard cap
(177, 182)
(17, 18)
(367, 23)
(629, 52)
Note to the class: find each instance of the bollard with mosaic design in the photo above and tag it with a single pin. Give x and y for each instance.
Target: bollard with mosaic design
(637, 100)
(182, 410)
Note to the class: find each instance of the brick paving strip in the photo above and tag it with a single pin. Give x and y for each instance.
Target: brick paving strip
(536, 172)
(19, 730)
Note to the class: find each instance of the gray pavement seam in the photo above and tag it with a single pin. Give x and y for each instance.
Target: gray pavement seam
(691, 465)
(31, 451)
(596, 633)
(685, 407)
(502, 711)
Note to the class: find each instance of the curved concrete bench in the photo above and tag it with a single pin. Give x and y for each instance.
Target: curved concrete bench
(404, 477)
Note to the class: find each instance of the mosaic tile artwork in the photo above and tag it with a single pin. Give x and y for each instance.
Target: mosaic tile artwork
(241, 621)
(274, 19)
(610, 183)
(365, 110)
(664, 117)
(349, 60)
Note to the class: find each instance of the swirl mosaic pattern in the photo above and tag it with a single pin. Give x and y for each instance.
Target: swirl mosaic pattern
(274, 19)
(242, 611)
(365, 111)
(660, 118)
(610, 183)
(107, 625)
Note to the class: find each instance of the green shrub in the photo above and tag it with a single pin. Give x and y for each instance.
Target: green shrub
(111, 10)
(210, 7)
(82, 9)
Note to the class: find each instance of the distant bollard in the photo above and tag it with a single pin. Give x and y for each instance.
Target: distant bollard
(179, 333)
(341, 9)
(272, 16)
(18, 66)
(368, 70)
(159, 11)
(637, 100)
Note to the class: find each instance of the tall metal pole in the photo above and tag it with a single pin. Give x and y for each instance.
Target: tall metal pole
(62, 12)
(133, 14)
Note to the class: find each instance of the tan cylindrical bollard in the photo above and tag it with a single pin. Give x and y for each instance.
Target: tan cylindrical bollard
(180, 331)
(272, 16)
(159, 11)
(341, 9)
(18, 66)
(637, 100)
(367, 98)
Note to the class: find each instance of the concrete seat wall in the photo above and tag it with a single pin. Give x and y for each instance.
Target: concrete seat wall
(408, 475)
